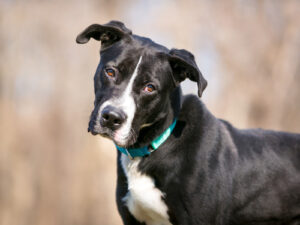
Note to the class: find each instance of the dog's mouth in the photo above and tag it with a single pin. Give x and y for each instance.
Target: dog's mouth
(116, 136)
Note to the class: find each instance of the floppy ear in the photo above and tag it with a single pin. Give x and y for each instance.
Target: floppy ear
(108, 33)
(184, 66)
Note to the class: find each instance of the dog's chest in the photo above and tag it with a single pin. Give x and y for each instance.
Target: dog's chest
(143, 199)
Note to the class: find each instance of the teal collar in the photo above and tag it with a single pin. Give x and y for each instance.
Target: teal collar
(146, 150)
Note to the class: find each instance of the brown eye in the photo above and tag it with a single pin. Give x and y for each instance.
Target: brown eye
(149, 88)
(110, 72)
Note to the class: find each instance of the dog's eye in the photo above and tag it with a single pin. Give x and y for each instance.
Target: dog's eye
(110, 72)
(149, 88)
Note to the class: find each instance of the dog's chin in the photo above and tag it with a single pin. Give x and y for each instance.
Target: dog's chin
(125, 143)
(120, 141)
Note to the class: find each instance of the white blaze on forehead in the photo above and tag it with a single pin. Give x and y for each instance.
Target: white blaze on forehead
(128, 106)
(135, 72)
(126, 103)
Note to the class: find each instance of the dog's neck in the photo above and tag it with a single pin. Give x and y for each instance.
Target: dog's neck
(149, 133)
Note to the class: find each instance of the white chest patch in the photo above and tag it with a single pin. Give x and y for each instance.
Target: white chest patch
(143, 199)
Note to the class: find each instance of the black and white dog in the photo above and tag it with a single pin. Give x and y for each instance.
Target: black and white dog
(177, 163)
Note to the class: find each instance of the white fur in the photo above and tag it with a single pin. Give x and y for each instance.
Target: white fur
(127, 104)
(143, 199)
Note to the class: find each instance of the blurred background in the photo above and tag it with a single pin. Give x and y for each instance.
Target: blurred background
(52, 172)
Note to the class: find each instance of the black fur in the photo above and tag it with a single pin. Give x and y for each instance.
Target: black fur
(211, 172)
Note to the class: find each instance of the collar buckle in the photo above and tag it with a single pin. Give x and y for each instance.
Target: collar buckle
(150, 149)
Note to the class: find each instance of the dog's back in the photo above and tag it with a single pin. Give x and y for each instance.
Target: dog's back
(266, 180)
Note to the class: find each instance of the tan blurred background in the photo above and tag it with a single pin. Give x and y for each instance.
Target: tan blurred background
(52, 172)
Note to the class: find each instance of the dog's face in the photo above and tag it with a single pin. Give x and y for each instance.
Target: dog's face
(133, 81)
(131, 91)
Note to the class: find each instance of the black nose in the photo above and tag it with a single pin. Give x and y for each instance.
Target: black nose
(112, 117)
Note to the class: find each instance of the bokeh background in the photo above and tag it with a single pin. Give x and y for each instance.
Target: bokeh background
(52, 172)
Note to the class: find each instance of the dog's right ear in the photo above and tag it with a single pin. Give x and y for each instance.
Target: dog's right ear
(108, 33)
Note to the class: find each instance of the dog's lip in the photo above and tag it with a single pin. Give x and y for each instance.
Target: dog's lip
(105, 135)
(93, 132)
(110, 135)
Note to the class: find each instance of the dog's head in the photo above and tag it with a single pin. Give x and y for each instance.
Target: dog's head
(133, 81)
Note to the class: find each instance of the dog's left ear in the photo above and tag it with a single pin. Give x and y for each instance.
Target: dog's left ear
(184, 66)
(108, 33)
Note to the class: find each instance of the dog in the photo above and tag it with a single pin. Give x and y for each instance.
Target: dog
(177, 163)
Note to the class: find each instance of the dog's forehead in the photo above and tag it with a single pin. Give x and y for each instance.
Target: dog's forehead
(125, 56)
(130, 51)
